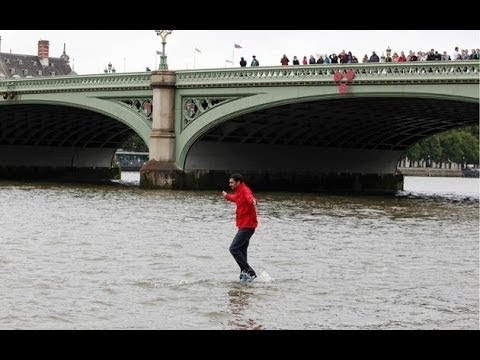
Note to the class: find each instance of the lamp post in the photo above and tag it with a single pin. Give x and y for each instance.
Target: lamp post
(163, 58)
(109, 69)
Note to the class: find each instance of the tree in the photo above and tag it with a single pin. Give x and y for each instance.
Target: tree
(414, 152)
(470, 147)
(431, 147)
(455, 145)
(134, 143)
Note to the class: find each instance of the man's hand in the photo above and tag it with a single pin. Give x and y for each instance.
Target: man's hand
(224, 193)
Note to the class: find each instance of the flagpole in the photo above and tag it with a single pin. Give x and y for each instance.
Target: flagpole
(233, 55)
(194, 54)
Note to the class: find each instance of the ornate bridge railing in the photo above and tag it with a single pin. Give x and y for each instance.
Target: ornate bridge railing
(126, 81)
(381, 73)
(374, 73)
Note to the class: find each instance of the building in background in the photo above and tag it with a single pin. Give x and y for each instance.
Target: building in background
(42, 64)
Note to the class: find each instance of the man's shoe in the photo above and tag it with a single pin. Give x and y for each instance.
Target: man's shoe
(244, 277)
(251, 274)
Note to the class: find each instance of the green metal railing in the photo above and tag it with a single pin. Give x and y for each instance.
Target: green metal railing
(381, 73)
(97, 82)
(445, 71)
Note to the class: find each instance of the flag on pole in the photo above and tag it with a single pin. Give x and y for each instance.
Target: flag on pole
(229, 61)
(237, 46)
(198, 50)
(159, 52)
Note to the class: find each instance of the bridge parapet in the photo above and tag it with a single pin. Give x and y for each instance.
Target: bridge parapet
(384, 73)
(97, 82)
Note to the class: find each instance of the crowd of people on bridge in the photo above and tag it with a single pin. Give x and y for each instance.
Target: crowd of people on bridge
(346, 57)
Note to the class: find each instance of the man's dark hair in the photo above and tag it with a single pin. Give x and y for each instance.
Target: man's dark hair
(237, 177)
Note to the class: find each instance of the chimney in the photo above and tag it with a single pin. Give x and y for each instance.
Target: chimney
(43, 46)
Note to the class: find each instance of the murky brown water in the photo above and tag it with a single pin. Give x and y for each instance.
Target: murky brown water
(119, 257)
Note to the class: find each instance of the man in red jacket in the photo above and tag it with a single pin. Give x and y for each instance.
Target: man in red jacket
(246, 220)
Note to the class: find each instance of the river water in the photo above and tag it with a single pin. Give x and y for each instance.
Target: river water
(119, 257)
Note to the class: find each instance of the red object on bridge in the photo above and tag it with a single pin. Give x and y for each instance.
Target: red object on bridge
(342, 88)
(337, 76)
(350, 75)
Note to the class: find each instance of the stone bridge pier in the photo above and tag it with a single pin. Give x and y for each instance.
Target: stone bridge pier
(161, 171)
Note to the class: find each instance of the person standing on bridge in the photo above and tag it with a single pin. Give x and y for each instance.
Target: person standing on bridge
(246, 221)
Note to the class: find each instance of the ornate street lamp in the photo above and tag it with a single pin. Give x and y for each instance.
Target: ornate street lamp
(163, 58)
(109, 69)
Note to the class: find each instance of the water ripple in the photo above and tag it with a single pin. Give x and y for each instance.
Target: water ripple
(119, 257)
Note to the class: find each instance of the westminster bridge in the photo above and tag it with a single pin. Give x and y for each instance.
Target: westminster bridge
(314, 127)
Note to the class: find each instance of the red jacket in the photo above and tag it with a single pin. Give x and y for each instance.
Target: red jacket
(246, 214)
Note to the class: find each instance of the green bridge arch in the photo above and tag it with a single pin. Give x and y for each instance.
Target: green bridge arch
(265, 98)
(69, 126)
(112, 109)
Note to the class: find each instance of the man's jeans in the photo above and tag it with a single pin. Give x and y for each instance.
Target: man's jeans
(239, 246)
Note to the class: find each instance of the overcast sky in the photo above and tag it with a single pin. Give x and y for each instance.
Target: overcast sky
(134, 50)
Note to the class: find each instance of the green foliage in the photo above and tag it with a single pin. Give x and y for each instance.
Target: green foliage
(461, 145)
(134, 143)
(414, 152)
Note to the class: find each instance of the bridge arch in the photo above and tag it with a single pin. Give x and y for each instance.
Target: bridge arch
(255, 109)
(107, 107)
(68, 131)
